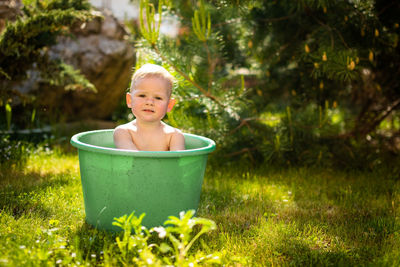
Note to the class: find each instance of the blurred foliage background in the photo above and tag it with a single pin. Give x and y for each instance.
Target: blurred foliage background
(286, 83)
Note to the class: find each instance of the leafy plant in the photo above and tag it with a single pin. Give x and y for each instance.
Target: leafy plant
(164, 246)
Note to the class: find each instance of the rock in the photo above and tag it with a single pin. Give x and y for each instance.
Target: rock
(102, 54)
(100, 50)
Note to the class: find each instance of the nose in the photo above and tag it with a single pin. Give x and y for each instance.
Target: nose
(149, 101)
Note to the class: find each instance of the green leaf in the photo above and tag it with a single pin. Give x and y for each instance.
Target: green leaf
(164, 248)
(8, 115)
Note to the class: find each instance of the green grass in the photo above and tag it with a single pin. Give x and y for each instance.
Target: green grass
(265, 217)
(306, 216)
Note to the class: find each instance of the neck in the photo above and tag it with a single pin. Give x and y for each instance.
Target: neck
(147, 126)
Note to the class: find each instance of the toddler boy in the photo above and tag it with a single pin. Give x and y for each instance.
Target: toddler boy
(149, 99)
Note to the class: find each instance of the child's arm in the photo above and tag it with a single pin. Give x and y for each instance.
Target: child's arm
(177, 141)
(123, 140)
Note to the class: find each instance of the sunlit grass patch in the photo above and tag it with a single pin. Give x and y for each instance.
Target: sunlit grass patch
(49, 182)
(52, 162)
(40, 205)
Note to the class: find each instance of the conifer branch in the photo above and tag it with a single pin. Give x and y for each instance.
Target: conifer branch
(330, 30)
(211, 65)
(202, 29)
(278, 19)
(243, 122)
(201, 26)
(383, 10)
(184, 75)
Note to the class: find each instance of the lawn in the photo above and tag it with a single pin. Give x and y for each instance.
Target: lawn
(264, 216)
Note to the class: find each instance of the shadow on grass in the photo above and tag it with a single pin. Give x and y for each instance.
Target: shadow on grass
(230, 210)
(301, 254)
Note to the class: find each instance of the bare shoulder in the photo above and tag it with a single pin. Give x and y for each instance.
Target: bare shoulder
(122, 136)
(178, 135)
(125, 127)
(122, 131)
(118, 131)
(171, 130)
(177, 139)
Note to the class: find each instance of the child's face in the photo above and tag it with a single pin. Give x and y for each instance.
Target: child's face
(150, 99)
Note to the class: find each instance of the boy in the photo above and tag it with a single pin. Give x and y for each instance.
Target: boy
(149, 99)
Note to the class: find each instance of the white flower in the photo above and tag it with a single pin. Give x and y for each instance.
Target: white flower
(161, 231)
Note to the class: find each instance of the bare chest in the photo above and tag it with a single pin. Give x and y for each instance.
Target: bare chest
(151, 142)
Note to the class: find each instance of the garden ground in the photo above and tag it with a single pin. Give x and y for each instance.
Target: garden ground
(294, 216)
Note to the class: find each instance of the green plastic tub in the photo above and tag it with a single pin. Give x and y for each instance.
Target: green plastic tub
(159, 183)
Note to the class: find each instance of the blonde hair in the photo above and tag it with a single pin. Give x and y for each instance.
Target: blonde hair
(152, 71)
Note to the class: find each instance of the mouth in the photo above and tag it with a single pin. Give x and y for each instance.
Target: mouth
(148, 110)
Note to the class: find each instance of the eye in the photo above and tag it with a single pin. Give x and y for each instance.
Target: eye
(141, 95)
(158, 98)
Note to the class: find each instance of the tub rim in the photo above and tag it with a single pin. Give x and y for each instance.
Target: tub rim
(159, 154)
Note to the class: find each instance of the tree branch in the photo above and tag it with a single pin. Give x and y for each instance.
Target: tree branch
(242, 151)
(243, 122)
(330, 30)
(384, 114)
(184, 75)
(211, 68)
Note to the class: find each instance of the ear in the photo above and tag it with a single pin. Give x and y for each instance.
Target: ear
(129, 100)
(171, 104)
